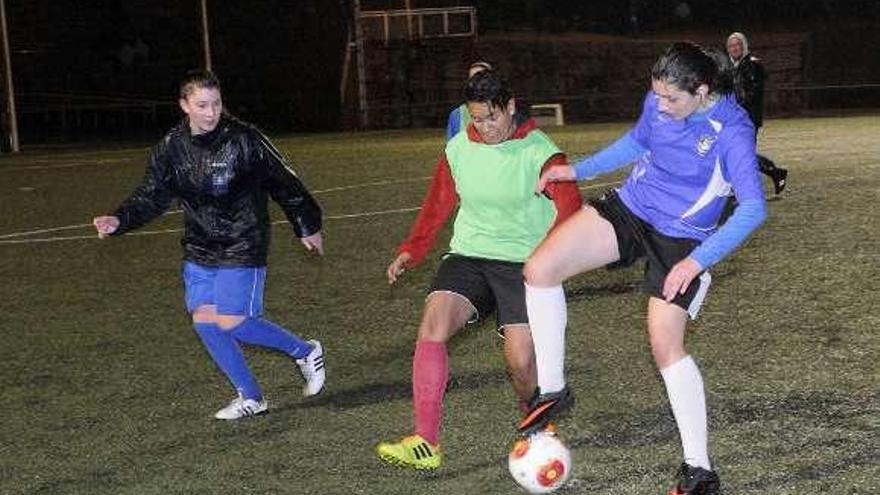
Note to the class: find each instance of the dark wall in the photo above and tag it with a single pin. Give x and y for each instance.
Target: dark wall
(598, 77)
(109, 68)
(845, 56)
(102, 47)
(105, 67)
(628, 17)
(594, 78)
(281, 61)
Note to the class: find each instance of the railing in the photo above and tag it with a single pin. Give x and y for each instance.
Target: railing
(548, 114)
(62, 115)
(448, 22)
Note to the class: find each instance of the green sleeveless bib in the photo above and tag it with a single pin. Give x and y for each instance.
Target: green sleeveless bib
(499, 216)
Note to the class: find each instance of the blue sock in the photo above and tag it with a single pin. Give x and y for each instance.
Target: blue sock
(257, 331)
(228, 357)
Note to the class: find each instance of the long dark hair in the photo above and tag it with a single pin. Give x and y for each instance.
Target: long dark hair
(687, 65)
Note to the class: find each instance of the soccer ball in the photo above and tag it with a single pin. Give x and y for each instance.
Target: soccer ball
(540, 463)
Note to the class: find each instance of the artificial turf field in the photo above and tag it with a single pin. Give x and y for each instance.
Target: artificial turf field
(107, 390)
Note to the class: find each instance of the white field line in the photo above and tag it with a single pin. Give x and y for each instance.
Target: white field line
(65, 165)
(10, 238)
(76, 159)
(174, 212)
(45, 158)
(171, 231)
(370, 184)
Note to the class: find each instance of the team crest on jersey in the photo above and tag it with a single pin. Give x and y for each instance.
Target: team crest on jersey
(705, 144)
(220, 176)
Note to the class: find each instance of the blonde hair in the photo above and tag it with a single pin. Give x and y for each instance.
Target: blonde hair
(742, 39)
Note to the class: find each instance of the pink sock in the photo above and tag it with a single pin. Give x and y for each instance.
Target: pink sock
(430, 372)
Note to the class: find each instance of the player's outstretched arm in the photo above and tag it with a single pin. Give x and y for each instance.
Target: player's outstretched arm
(285, 187)
(398, 266)
(105, 225)
(314, 242)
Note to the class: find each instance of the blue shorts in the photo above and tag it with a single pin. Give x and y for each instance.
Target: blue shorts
(234, 290)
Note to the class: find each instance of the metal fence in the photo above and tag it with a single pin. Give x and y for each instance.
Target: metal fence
(388, 25)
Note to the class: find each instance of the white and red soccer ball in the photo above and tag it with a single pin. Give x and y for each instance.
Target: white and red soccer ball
(540, 463)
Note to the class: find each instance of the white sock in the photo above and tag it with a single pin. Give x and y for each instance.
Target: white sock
(684, 387)
(548, 316)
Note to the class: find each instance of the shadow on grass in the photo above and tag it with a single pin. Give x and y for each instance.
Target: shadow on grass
(587, 292)
(826, 469)
(655, 425)
(376, 393)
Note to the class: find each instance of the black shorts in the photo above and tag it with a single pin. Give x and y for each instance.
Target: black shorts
(637, 239)
(489, 285)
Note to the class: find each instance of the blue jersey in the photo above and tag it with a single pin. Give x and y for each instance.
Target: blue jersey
(681, 182)
(458, 119)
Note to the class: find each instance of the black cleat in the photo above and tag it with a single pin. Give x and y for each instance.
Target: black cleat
(543, 408)
(779, 177)
(695, 481)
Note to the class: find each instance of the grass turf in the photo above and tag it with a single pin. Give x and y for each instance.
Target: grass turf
(108, 390)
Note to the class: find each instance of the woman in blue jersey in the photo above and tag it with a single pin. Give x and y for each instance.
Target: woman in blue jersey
(691, 146)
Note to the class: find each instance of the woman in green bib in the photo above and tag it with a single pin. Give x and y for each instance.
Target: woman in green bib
(486, 177)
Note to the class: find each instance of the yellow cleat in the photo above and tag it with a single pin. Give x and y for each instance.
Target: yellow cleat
(412, 452)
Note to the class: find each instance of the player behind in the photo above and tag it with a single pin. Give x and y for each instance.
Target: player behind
(748, 86)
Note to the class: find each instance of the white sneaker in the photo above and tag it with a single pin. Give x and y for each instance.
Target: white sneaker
(242, 408)
(312, 369)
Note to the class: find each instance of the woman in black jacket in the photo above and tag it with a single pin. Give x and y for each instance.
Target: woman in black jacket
(748, 81)
(222, 171)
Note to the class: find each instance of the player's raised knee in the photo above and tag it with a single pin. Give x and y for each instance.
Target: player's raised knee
(537, 272)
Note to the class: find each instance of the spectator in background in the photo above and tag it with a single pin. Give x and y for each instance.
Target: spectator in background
(748, 82)
(459, 118)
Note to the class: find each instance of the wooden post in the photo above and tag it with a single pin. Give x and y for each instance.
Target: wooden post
(346, 61)
(11, 114)
(206, 37)
(409, 27)
(361, 69)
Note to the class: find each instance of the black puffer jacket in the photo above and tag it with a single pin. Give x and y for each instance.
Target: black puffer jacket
(748, 83)
(222, 180)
